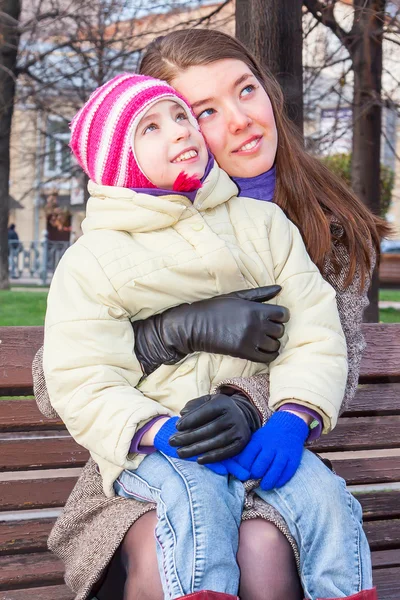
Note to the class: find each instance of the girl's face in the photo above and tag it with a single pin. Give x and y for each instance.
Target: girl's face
(234, 113)
(166, 144)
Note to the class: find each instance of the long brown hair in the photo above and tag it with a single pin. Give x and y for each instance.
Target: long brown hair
(308, 192)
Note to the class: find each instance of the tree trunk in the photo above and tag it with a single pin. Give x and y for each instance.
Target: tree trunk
(272, 30)
(366, 54)
(9, 39)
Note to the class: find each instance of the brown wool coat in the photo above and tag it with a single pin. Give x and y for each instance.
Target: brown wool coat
(92, 526)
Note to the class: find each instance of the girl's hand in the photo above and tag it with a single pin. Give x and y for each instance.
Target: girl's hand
(236, 324)
(216, 427)
(274, 451)
(161, 442)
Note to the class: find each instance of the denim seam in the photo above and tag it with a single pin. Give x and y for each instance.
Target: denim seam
(134, 495)
(192, 520)
(358, 542)
(164, 555)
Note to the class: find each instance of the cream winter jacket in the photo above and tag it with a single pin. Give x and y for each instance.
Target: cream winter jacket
(142, 254)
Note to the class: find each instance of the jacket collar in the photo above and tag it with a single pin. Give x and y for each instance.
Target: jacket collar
(122, 209)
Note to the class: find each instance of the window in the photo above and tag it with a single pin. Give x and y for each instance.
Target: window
(58, 154)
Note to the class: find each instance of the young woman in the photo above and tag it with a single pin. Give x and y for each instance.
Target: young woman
(240, 110)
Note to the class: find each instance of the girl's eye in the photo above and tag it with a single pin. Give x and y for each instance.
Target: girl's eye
(149, 128)
(206, 113)
(181, 116)
(247, 90)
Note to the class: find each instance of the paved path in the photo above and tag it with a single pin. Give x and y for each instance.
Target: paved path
(29, 289)
(389, 304)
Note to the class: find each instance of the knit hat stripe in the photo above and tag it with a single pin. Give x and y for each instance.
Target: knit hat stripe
(115, 124)
(89, 112)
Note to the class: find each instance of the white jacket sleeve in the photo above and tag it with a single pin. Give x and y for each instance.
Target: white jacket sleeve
(90, 367)
(311, 368)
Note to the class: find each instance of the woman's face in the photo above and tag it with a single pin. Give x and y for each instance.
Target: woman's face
(234, 113)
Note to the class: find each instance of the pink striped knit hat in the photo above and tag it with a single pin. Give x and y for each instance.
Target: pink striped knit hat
(103, 130)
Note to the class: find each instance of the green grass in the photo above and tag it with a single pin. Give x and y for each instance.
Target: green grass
(16, 397)
(22, 308)
(28, 308)
(389, 315)
(389, 295)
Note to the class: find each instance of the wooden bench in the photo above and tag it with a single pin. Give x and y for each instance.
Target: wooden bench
(39, 464)
(389, 271)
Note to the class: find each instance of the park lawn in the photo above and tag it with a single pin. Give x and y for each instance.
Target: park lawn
(389, 295)
(28, 308)
(389, 315)
(22, 308)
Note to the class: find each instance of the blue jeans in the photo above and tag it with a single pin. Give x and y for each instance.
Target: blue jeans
(197, 530)
(326, 522)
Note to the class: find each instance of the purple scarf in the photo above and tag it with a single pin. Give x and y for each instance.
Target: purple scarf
(261, 187)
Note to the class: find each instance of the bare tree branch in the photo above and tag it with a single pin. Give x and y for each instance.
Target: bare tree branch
(323, 12)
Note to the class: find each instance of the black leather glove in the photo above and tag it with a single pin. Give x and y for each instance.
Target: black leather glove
(215, 426)
(236, 324)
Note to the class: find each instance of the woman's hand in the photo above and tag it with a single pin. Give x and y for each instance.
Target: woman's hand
(236, 324)
(216, 427)
(162, 443)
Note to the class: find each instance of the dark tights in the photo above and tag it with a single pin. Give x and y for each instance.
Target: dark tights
(266, 561)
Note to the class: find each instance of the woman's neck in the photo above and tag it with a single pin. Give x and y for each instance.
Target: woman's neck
(261, 187)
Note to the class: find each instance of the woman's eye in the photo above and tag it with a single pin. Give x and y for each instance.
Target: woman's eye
(206, 113)
(149, 128)
(181, 116)
(247, 90)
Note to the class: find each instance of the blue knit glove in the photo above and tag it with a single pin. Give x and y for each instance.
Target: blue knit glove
(161, 442)
(274, 452)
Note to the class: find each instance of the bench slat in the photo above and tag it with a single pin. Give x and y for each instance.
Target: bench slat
(380, 505)
(382, 355)
(31, 535)
(17, 455)
(19, 345)
(26, 570)
(35, 493)
(24, 415)
(54, 492)
(387, 582)
(24, 536)
(358, 471)
(375, 398)
(383, 535)
(386, 558)
(350, 434)
(389, 269)
(53, 592)
(361, 433)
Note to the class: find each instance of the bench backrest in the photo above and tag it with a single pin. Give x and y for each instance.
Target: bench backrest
(39, 462)
(389, 270)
